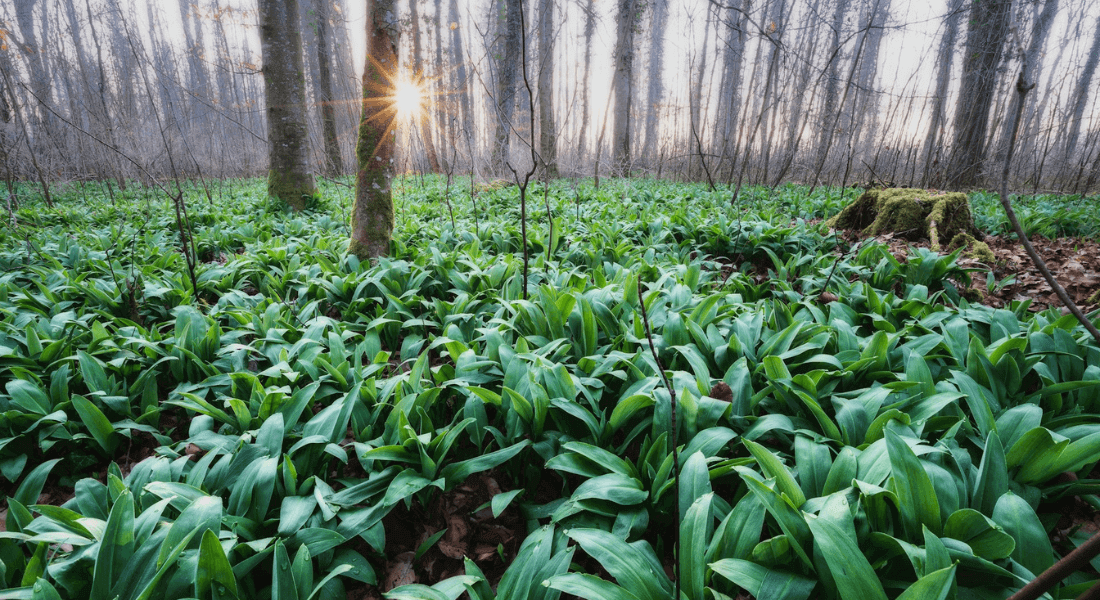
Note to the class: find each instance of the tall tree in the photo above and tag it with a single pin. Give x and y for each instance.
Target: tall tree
(985, 37)
(655, 79)
(506, 78)
(290, 178)
(547, 130)
(422, 116)
(589, 28)
(460, 85)
(623, 83)
(939, 97)
(334, 163)
(732, 58)
(1081, 92)
(372, 215)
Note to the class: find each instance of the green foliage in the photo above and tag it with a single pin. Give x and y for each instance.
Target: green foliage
(898, 442)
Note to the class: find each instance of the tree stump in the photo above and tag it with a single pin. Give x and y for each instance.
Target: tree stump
(915, 214)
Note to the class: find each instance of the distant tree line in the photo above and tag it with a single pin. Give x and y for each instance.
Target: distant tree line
(731, 92)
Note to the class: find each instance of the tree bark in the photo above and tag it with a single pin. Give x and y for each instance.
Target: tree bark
(547, 128)
(460, 85)
(589, 28)
(334, 162)
(623, 82)
(934, 138)
(372, 217)
(422, 115)
(506, 90)
(1081, 92)
(655, 84)
(290, 178)
(985, 37)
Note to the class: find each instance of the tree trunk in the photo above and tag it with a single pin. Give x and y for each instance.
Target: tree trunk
(506, 90)
(732, 59)
(986, 33)
(290, 178)
(1081, 93)
(422, 114)
(334, 163)
(655, 84)
(372, 216)
(623, 81)
(932, 150)
(589, 28)
(547, 129)
(461, 85)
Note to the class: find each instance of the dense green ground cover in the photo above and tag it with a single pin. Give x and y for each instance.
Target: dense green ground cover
(253, 440)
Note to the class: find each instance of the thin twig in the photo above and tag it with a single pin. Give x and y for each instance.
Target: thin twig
(675, 439)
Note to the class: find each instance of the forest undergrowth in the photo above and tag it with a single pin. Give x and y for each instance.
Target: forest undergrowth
(851, 418)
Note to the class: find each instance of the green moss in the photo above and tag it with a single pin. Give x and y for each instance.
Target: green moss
(974, 249)
(911, 213)
(297, 190)
(1095, 298)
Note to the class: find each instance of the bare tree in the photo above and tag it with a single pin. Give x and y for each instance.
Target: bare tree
(290, 178)
(506, 82)
(589, 28)
(334, 162)
(1081, 92)
(422, 116)
(935, 134)
(623, 85)
(372, 216)
(985, 38)
(548, 158)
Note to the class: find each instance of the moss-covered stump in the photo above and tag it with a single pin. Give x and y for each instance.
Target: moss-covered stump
(1095, 299)
(979, 251)
(911, 213)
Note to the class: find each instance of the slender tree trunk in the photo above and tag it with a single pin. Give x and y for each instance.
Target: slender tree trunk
(933, 141)
(372, 216)
(506, 91)
(732, 59)
(334, 162)
(1081, 93)
(290, 178)
(422, 115)
(547, 129)
(655, 84)
(623, 82)
(985, 37)
(586, 95)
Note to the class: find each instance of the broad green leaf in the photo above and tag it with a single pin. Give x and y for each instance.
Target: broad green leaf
(1032, 549)
(850, 570)
(213, 567)
(116, 547)
(987, 539)
(910, 482)
(933, 586)
(775, 469)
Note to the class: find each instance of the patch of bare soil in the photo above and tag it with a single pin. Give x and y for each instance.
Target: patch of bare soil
(471, 531)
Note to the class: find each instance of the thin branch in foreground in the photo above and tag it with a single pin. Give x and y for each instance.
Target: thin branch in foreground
(675, 439)
(1022, 88)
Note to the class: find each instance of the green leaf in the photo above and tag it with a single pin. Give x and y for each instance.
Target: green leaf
(775, 469)
(116, 547)
(634, 566)
(854, 577)
(501, 501)
(987, 539)
(919, 505)
(96, 422)
(694, 535)
(933, 586)
(213, 567)
(763, 582)
(1033, 549)
(589, 587)
(459, 471)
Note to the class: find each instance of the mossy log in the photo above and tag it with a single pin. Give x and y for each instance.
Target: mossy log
(911, 213)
